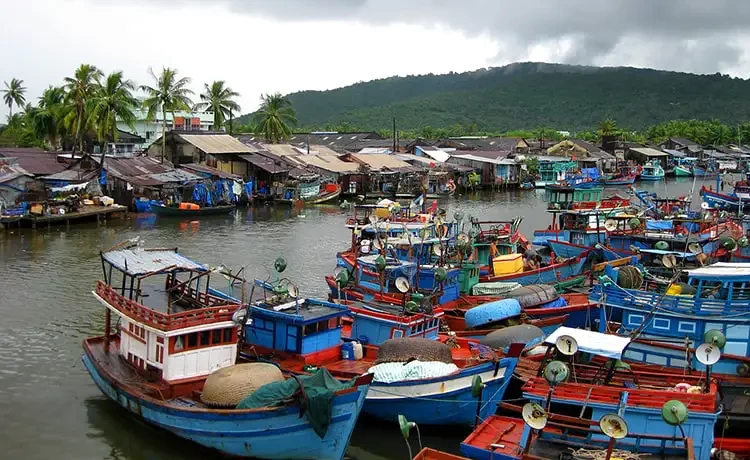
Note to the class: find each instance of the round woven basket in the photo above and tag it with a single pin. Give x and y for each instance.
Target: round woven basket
(227, 387)
(402, 350)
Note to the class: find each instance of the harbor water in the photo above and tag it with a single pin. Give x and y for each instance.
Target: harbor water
(50, 408)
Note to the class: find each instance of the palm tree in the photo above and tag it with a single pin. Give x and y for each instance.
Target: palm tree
(169, 94)
(80, 88)
(47, 119)
(607, 127)
(112, 101)
(14, 94)
(218, 99)
(275, 117)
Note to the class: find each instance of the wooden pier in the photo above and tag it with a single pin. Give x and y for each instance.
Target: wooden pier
(98, 213)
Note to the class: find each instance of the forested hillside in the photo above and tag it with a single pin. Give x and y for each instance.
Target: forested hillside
(527, 95)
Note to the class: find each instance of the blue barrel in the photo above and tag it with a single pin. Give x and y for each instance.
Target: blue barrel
(347, 351)
(491, 312)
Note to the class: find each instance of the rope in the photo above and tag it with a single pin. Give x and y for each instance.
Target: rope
(601, 454)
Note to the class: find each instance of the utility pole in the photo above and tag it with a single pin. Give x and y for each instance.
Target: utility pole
(230, 122)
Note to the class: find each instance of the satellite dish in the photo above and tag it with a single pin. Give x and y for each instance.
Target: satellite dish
(279, 264)
(613, 426)
(380, 264)
(715, 336)
(476, 386)
(556, 372)
(402, 284)
(743, 242)
(634, 223)
(661, 245)
(437, 250)
(411, 306)
(610, 225)
(292, 291)
(534, 415)
(462, 239)
(441, 274)
(694, 248)
(708, 354)
(705, 205)
(674, 412)
(239, 316)
(669, 260)
(566, 345)
(728, 243)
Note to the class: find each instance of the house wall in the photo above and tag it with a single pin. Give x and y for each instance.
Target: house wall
(151, 130)
(20, 189)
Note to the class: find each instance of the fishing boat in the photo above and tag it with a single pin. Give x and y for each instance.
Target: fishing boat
(173, 338)
(185, 210)
(684, 167)
(441, 386)
(733, 201)
(309, 190)
(567, 377)
(551, 273)
(652, 171)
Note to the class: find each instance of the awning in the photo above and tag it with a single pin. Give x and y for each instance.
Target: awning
(606, 345)
(139, 261)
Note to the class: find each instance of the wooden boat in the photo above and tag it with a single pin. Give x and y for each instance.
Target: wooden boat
(444, 400)
(550, 274)
(652, 171)
(171, 339)
(323, 196)
(510, 438)
(432, 454)
(162, 210)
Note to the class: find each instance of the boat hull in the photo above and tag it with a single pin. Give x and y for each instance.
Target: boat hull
(550, 274)
(568, 250)
(271, 434)
(442, 401)
(170, 211)
(679, 171)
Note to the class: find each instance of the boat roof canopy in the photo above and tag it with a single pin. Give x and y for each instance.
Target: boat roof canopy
(722, 271)
(138, 261)
(606, 345)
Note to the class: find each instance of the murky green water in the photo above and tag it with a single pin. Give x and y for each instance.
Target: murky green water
(50, 408)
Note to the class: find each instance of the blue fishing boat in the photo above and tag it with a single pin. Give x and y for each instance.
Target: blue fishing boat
(719, 304)
(652, 171)
(173, 338)
(549, 274)
(301, 333)
(582, 371)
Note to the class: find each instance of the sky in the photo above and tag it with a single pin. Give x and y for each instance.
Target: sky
(265, 46)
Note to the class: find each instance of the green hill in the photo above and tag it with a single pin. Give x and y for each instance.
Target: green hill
(527, 95)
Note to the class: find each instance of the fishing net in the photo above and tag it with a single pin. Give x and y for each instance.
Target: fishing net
(533, 295)
(527, 334)
(230, 385)
(630, 277)
(403, 350)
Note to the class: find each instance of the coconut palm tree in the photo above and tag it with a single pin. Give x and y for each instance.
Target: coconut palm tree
(275, 117)
(80, 88)
(14, 94)
(607, 127)
(218, 99)
(112, 101)
(47, 119)
(168, 95)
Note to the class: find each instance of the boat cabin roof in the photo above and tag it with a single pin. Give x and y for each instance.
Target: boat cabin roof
(141, 261)
(390, 262)
(596, 343)
(722, 271)
(299, 311)
(661, 252)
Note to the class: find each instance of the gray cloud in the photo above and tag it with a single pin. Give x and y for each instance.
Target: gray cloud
(664, 29)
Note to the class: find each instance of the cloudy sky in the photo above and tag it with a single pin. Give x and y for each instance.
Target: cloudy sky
(261, 46)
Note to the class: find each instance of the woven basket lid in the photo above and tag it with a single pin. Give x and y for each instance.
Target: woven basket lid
(402, 350)
(228, 386)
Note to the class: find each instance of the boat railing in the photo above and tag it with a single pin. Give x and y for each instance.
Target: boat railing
(165, 321)
(637, 397)
(618, 296)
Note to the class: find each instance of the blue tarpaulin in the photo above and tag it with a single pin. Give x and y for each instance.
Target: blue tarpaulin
(658, 225)
(592, 173)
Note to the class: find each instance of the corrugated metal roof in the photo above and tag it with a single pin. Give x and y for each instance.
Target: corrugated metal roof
(266, 164)
(216, 143)
(481, 159)
(329, 163)
(378, 161)
(9, 172)
(284, 150)
(140, 261)
(72, 175)
(208, 171)
(649, 152)
(134, 166)
(434, 153)
(35, 161)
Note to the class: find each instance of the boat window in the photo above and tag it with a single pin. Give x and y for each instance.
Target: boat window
(216, 336)
(179, 344)
(205, 338)
(192, 340)
(228, 335)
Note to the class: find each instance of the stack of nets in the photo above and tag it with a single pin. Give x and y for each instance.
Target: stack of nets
(403, 350)
(230, 385)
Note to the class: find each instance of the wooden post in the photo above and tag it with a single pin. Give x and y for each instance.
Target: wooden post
(107, 331)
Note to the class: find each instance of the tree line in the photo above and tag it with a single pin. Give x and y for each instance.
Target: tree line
(89, 105)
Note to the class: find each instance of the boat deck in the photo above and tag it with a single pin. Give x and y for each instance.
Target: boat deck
(87, 212)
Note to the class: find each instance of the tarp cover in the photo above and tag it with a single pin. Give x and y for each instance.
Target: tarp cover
(413, 370)
(494, 288)
(658, 225)
(318, 389)
(606, 345)
(592, 173)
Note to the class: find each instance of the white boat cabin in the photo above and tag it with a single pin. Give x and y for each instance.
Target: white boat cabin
(181, 329)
